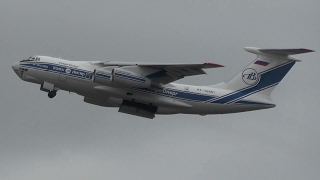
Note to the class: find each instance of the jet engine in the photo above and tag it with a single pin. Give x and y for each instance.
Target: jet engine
(121, 77)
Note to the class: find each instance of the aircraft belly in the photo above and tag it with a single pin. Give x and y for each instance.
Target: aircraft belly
(127, 94)
(163, 110)
(226, 108)
(212, 108)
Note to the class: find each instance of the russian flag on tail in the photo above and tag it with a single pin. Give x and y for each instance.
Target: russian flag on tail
(261, 63)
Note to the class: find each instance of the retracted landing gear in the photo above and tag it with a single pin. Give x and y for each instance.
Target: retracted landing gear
(52, 94)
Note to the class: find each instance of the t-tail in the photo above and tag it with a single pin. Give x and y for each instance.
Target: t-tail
(260, 77)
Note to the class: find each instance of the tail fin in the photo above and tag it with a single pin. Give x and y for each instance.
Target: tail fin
(264, 73)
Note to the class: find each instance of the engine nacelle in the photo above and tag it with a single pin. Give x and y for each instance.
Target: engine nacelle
(102, 76)
(120, 77)
(129, 79)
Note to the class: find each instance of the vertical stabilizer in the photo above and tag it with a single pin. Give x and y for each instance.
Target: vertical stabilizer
(263, 74)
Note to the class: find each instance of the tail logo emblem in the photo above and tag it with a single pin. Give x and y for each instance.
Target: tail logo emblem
(250, 76)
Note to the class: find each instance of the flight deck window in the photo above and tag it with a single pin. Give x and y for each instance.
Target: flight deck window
(31, 59)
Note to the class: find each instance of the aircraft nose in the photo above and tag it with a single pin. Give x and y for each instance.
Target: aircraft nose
(15, 66)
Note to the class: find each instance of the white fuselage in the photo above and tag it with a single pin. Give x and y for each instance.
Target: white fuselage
(76, 76)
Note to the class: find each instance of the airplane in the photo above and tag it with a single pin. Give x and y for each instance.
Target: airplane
(147, 89)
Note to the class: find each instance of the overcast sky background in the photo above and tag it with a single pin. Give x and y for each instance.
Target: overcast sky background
(65, 138)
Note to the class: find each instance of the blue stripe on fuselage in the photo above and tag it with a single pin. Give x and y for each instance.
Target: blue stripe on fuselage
(174, 93)
(60, 69)
(129, 76)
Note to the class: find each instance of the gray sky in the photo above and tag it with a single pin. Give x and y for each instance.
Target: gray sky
(65, 138)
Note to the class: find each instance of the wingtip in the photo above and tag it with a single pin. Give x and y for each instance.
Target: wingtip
(307, 50)
(213, 64)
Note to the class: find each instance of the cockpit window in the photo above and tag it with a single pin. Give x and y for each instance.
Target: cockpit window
(34, 58)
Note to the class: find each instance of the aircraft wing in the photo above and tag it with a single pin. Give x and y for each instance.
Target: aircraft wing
(167, 72)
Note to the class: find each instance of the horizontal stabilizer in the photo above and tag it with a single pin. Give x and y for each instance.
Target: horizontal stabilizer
(286, 52)
(278, 52)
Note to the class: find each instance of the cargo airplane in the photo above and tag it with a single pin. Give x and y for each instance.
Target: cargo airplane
(146, 89)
